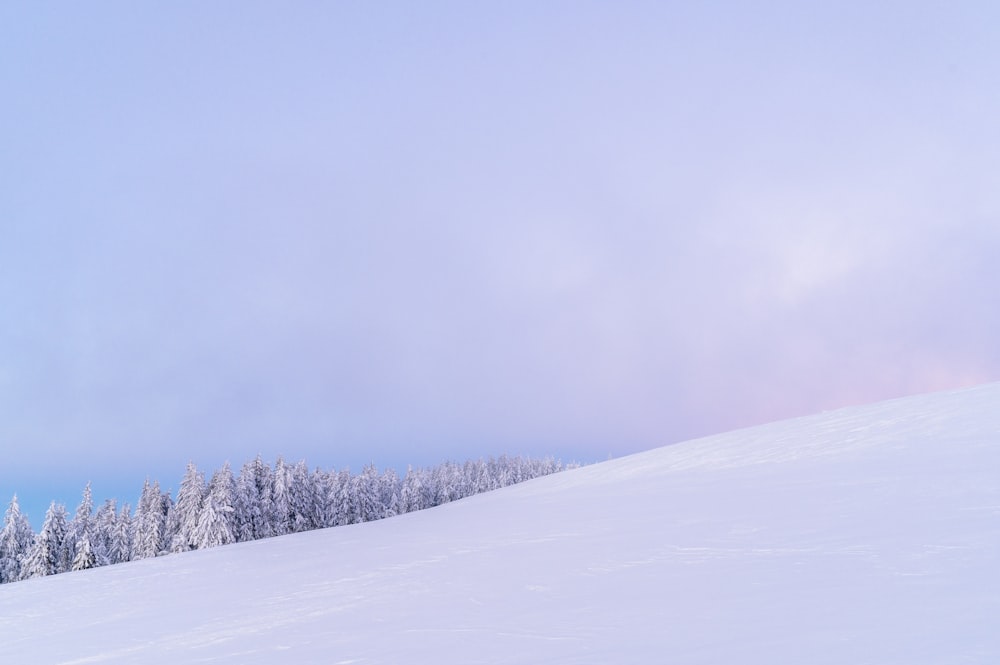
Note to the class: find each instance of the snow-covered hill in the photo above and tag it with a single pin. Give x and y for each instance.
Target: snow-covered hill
(865, 535)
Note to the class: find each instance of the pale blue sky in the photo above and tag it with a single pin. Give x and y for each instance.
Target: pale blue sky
(407, 232)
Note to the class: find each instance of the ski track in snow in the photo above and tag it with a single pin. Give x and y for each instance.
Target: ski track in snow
(863, 535)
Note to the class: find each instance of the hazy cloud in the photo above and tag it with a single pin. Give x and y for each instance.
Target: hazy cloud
(420, 233)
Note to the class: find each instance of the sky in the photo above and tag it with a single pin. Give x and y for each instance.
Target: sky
(402, 233)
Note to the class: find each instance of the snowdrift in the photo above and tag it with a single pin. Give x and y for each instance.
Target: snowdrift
(864, 535)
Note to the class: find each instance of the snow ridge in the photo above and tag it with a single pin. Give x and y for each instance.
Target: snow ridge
(864, 535)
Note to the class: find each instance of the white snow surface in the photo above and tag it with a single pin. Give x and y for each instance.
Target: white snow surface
(864, 535)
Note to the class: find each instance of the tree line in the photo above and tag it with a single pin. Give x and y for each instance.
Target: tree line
(262, 501)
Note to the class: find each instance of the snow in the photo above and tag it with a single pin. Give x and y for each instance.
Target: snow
(864, 535)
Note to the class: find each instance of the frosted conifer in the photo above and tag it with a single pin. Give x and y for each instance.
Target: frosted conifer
(15, 540)
(85, 557)
(281, 517)
(183, 519)
(150, 523)
(217, 521)
(47, 555)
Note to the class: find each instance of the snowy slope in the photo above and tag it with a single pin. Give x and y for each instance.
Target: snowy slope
(865, 535)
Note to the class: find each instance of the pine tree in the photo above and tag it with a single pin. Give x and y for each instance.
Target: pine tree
(80, 532)
(85, 510)
(343, 499)
(261, 502)
(15, 540)
(321, 482)
(368, 494)
(85, 557)
(446, 483)
(302, 500)
(503, 474)
(280, 499)
(389, 493)
(48, 554)
(150, 523)
(105, 521)
(216, 522)
(411, 494)
(124, 542)
(246, 504)
(254, 506)
(183, 519)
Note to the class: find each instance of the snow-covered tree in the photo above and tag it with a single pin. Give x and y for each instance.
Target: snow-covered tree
(105, 521)
(85, 510)
(389, 487)
(15, 540)
(260, 503)
(253, 504)
(48, 554)
(321, 482)
(216, 523)
(281, 499)
(343, 499)
(446, 481)
(306, 499)
(476, 477)
(150, 523)
(85, 557)
(124, 542)
(411, 493)
(80, 533)
(183, 519)
(368, 493)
